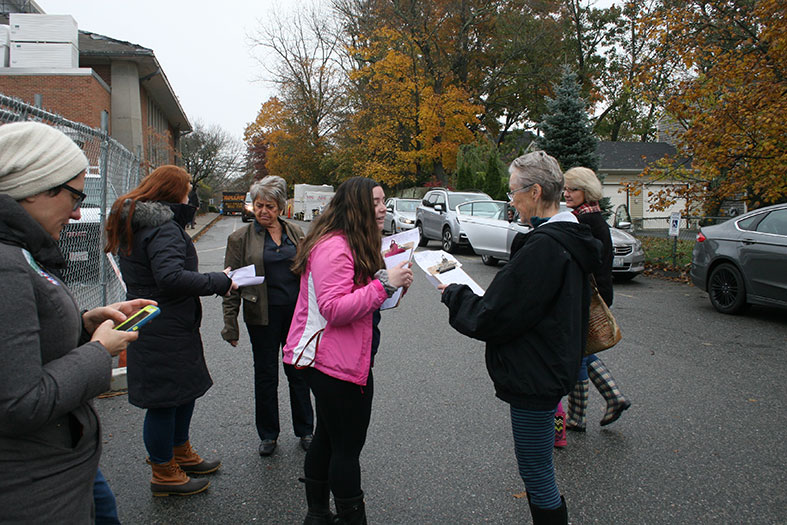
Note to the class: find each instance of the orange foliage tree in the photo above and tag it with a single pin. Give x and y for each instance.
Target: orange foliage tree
(289, 152)
(732, 99)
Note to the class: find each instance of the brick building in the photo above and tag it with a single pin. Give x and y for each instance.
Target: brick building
(123, 79)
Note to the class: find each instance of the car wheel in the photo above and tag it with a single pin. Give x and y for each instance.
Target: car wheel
(422, 240)
(489, 260)
(448, 240)
(726, 289)
(393, 227)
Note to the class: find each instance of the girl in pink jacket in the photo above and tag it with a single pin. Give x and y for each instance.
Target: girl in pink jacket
(334, 335)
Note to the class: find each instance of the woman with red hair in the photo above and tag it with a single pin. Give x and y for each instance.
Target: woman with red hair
(166, 365)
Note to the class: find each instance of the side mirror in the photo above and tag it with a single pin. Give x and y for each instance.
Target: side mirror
(623, 225)
(389, 208)
(439, 207)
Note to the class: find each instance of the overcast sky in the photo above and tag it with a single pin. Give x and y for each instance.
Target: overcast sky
(201, 46)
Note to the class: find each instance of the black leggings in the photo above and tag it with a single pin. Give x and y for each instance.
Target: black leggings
(343, 413)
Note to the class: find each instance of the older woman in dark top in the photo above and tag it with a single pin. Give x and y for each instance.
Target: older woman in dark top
(582, 193)
(269, 243)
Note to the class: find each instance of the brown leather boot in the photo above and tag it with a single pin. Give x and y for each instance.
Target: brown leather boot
(170, 480)
(191, 463)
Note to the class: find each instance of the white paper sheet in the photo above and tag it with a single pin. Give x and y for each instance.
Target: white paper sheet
(245, 276)
(406, 241)
(429, 262)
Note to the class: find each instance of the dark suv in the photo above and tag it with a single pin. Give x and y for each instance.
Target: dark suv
(436, 219)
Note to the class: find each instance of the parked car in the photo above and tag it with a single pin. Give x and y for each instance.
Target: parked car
(743, 261)
(436, 219)
(628, 257)
(247, 213)
(490, 233)
(400, 214)
(487, 226)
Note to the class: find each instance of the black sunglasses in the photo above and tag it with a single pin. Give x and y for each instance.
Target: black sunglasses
(80, 196)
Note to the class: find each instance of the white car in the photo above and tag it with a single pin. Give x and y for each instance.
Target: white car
(488, 229)
(400, 214)
(490, 234)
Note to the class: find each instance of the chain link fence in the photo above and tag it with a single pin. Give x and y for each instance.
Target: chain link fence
(688, 227)
(91, 274)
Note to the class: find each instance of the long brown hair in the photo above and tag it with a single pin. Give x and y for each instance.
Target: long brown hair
(351, 212)
(165, 184)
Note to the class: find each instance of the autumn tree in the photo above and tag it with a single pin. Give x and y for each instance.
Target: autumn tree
(632, 85)
(406, 127)
(520, 65)
(733, 101)
(289, 151)
(212, 156)
(297, 127)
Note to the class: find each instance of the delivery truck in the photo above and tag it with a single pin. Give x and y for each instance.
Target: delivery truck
(232, 202)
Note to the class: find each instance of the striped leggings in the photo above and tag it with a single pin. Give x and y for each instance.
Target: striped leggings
(534, 437)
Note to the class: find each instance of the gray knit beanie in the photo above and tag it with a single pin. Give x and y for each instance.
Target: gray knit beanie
(35, 157)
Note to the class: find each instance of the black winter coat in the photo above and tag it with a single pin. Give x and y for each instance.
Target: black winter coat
(600, 230)
(166, 365)
(534, 316)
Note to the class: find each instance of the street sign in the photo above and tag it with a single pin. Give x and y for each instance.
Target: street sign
(674, 224)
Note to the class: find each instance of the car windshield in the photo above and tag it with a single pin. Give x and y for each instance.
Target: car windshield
(406, 205)
(455, 199)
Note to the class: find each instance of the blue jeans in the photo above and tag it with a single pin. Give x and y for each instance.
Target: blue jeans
(583, 368)
(104, 501)
(165, 428)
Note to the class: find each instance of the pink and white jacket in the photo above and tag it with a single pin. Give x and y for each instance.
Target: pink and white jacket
(329, 299)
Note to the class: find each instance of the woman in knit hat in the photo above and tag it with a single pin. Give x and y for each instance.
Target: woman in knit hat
(53, 360)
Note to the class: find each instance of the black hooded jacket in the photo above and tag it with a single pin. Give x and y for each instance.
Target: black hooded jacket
(166, 365)
(534, 316)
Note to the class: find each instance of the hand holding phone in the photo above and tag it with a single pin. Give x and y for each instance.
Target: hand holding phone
(144, 315)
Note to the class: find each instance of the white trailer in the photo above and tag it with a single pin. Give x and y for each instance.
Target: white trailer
(310, 197)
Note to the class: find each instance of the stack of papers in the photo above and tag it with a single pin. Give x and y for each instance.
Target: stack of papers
(246, 276)
(443, 268)
(396, 249)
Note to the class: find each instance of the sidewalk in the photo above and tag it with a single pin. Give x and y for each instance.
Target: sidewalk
(202, 223)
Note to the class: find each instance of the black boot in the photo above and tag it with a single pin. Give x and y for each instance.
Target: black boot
(318, 498)
(350, 511)
(558, 516)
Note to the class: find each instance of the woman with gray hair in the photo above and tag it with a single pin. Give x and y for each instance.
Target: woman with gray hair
(533, 324)
(582, 192)
(269, 243)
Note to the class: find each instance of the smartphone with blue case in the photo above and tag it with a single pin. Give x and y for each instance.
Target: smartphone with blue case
(133, 323)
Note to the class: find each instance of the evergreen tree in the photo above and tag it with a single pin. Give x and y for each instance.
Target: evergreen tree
(464, 177)
(493, 176)
(567, 133)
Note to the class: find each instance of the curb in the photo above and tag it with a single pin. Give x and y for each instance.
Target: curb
(205, 228)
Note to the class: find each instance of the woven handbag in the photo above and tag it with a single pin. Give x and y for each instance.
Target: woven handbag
(603, 329)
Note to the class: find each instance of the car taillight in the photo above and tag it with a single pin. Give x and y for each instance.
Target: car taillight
(700, 237)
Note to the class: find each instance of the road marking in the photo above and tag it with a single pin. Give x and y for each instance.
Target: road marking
(627, 295)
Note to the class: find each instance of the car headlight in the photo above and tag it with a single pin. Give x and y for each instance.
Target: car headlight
(404, 220)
